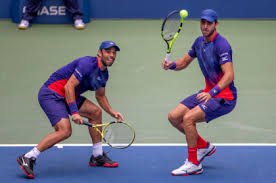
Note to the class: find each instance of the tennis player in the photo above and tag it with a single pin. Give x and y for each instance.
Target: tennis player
(60, 96)
(214, 55)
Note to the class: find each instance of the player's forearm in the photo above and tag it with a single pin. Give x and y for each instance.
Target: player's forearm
(69, 93)
(227, 78)
(71, 101)
(103, 102)
(183, 62)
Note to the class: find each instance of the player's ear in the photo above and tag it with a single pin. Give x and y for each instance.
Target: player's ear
(100, 53)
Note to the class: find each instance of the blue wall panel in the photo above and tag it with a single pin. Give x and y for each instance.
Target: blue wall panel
(159, 8)
(51, 11)
(5, 9)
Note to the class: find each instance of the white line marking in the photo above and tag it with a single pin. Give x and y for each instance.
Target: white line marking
(59, 146)
(167, 144)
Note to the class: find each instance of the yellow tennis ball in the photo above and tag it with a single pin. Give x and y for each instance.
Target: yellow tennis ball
(183, 13)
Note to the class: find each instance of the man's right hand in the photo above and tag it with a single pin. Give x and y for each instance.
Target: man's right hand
(166, 65)
(77, 118)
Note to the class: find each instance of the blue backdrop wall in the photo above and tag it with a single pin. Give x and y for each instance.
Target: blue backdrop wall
(159, 8)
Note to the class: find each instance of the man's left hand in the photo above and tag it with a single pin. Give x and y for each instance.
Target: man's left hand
(118, 116)
(203, 96)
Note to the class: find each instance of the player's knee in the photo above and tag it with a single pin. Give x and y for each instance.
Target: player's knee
(66, 133)
(172, 119)
(95, 114)
(188, 120)
(98, 112)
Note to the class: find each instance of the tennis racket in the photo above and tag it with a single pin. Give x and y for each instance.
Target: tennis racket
(170, 29)
(119, 135)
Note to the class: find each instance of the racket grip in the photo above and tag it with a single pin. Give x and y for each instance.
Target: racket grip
(168, 55)
(87, 123)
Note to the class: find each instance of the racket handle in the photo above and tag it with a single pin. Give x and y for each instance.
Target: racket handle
(168, 57)
(87, 124)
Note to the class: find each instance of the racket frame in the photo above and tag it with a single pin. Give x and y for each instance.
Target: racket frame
(169, 44)
(104, 126)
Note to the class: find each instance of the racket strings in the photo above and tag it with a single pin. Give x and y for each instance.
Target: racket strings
(171, 26)
(118, 134)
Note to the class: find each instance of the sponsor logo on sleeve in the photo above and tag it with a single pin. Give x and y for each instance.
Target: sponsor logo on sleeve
(78, 72)
(224, 56)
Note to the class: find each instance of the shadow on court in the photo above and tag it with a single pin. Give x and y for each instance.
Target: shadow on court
(143, 164)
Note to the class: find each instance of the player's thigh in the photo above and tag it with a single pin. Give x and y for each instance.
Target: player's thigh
(90, 110)
(181, 109)
(194, 115)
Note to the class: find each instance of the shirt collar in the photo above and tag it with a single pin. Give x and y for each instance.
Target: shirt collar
(214, 36)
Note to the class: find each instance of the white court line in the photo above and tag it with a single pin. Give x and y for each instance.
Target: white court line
(167, 144)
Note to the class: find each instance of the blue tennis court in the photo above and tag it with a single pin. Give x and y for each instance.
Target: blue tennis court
(144, 164)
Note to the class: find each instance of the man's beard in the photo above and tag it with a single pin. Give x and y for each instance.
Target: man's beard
(103, 60)
(211, 33)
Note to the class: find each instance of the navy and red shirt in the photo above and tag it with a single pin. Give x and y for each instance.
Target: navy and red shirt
(85, 69)
(210, 57)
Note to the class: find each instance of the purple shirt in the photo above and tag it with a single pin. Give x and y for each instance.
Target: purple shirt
(85, 69)
(210, 57)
